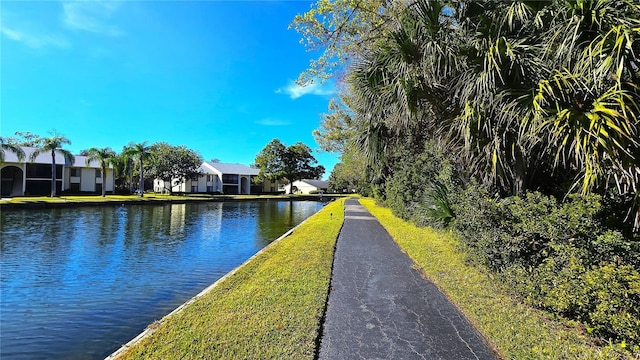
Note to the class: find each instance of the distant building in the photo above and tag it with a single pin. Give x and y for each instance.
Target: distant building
(22, 177)
(221, 178)
(307, 186)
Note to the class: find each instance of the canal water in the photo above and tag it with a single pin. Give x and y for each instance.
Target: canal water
(77, 283)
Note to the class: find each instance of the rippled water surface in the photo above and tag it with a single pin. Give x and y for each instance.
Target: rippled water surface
(78, 283)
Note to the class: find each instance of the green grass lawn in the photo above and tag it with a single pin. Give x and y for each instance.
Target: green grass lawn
(148, 197)
(270, 308)
(518, 332)
(90, 199)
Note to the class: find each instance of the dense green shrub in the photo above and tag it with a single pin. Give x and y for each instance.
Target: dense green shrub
(527, 229)
(606, 297)
(478, 222)
(613, 293)
(611, 246)
(418, 185)
(565, 256)
(557, 256)
(412, 183)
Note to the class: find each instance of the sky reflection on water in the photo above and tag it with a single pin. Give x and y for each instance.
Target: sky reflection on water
(78, 283)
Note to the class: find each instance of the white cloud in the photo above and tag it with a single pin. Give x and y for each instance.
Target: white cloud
(295, 91)
(91, 16)
(273, 122)
(34, 40)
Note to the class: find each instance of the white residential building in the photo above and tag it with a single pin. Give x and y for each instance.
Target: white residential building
(307, 186)
(220, 178)
(22, 177)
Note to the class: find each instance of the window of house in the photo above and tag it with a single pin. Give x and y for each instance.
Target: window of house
(209, 188)
(75, 172)
(98, 173)
(230, 178)
(43, 171)
(194, 187)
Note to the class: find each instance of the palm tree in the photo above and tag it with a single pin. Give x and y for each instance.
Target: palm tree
(141, 152)
(53, 144)
(105, 156)
(122, 170)
(16, 149)
(588, 105)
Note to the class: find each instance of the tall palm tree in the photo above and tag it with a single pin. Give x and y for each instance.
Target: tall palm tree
(16, 149)
(399, 86)
(524, 92)
(105, 156)
(141, 152)
(53, 144)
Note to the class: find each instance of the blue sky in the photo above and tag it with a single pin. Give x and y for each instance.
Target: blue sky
(216, 76)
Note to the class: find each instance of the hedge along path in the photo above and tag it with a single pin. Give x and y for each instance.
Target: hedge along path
(271, 307)
(516, 331)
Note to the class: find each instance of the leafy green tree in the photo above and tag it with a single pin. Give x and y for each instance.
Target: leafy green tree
(270, 161)
(338, 29)
(53, 144)
(299, 163)
(173, 164)
(106, 156)
(6, 146)
(141, 153)
(336, 128)
(350, 173)
(295, 162)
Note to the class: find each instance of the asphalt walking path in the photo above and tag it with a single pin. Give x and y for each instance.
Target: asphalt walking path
(380, 307)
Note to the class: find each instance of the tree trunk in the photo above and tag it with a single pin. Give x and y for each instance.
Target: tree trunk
(130, 174)
(141, 189)
(291, 187)
(53, 173)
(104, 180)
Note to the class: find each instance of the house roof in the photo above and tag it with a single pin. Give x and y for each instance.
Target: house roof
(45, 158)
(233, 168)
(320, 184)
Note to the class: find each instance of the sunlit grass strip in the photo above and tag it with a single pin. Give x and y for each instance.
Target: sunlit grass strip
(270, 308)
(518, 332)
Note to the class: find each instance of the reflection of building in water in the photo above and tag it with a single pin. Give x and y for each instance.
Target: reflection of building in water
(178, 216)
(210, 224)
(167, 220)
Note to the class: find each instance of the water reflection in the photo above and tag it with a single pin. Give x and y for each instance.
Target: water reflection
(78, 283)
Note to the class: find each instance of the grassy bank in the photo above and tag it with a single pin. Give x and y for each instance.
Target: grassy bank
(518, 332)
(148, 198)
(270, 308)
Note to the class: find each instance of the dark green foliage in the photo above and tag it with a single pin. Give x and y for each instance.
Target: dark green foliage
(478, 221)
(605, 297)
(612, 246)
(418, 186)
(438, 204)
(173, 164)
(532, 102)
(557, 256)
(295, 162)
(350, 174)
